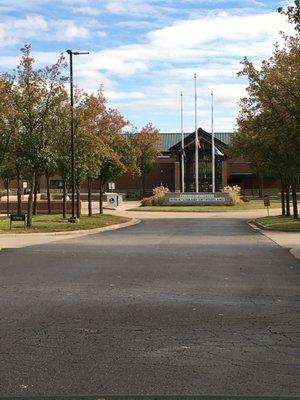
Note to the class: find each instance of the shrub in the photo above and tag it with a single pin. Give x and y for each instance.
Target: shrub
(159, 200)
(234, 194)
(159, 195)
(245, 199)
(147, 201)
(160, 190)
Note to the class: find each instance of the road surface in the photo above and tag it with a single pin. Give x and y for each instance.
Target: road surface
(203, 306)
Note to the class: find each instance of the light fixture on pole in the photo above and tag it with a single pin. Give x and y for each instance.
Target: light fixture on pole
(71, 53)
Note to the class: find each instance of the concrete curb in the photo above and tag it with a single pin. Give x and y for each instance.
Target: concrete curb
(80, 232)
(295, 251)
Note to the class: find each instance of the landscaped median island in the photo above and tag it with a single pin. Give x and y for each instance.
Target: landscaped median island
(279, 223)
(229, 199)
(247, 206)
(55, 223)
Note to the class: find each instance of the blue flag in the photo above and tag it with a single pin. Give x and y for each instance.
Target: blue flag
(217, 152)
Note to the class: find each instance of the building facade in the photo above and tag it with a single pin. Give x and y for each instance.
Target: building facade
(228, 171)
(166, 170)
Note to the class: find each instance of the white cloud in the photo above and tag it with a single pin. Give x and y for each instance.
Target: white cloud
(195, 40)
(92, 11)
(212, 46)
(160, 63)
(116, 96)
(15, 29)
(18, 30)
(68, 30)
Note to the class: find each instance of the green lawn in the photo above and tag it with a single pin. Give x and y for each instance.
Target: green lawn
(280, 222)
(251, 205)
(55, 223)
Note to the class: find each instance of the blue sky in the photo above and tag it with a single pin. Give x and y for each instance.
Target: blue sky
(145, 52)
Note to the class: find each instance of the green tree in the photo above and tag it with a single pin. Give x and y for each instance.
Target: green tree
(116, 155)
(8, 115)
(61, 144)
(34, 94)
(7, 172)
(293, 14)
(146, 145)
(269, 120)
(89, 148)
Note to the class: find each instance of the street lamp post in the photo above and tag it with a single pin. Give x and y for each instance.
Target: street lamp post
(71, 53)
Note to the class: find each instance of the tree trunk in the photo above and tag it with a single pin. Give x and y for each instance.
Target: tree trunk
(282, 198)
(48, 194)
(35, 196)
(78, 208)
(287, 199)
(100, 196)
(19, 194)
(261, 187)
(7, 197)
(294, 197)
(143, 184)
(90, 197)
(30, 201)
(64, 199)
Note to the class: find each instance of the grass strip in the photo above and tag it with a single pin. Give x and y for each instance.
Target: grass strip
(251, 205)
(280, 223)
(55, 223)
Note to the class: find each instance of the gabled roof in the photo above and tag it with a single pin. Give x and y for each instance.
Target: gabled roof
(168, 140)
(202, 135)
(171, 141)
(225, 137)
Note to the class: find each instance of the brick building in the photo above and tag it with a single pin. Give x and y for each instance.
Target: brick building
(166, 169)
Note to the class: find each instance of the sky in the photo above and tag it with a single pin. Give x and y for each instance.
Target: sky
(145, 52)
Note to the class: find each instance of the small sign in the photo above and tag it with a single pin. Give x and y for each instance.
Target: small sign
(111, 185)
(267, 200)
(24, 185)
(18, 218)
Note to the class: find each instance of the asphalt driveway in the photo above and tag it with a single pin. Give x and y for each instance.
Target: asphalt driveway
(205, 306)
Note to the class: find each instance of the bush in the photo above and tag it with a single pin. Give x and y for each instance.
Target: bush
(158, 198)
(159, 195)
(3, 192)
(245, 199)
(160, 191)
(147, 201)
(234, 194)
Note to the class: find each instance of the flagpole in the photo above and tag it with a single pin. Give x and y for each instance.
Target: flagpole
(196, 141)
(182, 144)
(213, 144)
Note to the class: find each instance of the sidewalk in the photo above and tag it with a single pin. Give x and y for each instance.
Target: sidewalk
(9, 241)
(290, 240)
(124, 211)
